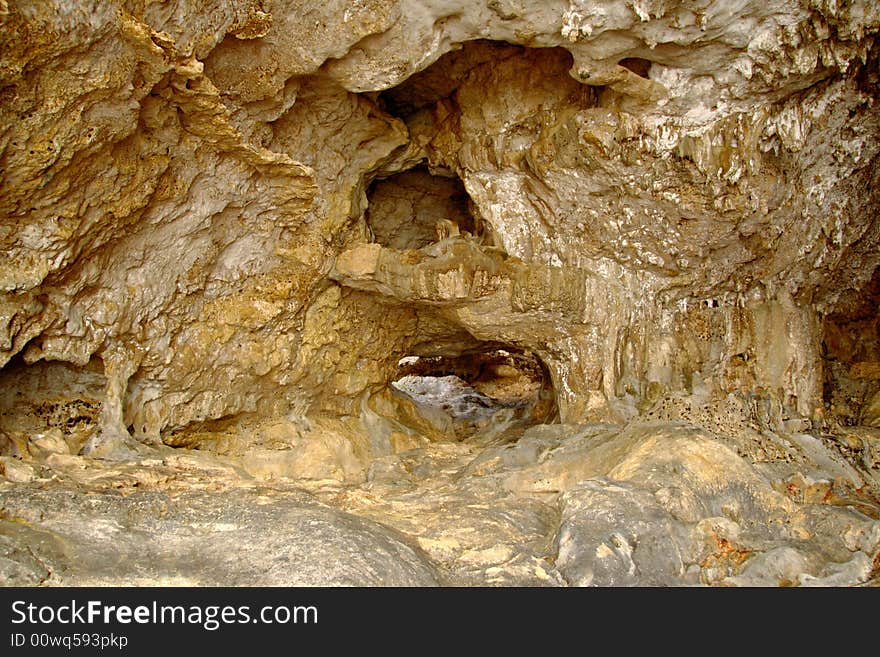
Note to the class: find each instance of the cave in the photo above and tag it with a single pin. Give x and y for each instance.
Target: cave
(480, 389)
(851, 356)
(472, 296)
(414, 208)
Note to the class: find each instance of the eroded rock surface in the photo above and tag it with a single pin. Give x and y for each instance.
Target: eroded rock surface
(653, 504)
(225, 224)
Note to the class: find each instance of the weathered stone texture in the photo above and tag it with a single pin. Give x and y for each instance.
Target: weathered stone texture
(228, 221)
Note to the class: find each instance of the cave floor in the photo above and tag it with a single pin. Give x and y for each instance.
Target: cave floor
(656, 504)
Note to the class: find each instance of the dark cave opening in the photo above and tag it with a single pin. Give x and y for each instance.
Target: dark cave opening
(640, 67)
(48, 398)
(442, 79)
(851, 355)
(420, 201)
(414, 208)
(477, 389)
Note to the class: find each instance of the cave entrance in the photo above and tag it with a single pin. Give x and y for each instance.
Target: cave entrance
(851, 355)
(479, 391)
(415, 208)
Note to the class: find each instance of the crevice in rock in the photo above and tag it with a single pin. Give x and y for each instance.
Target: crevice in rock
(214, 435)
(640, 67)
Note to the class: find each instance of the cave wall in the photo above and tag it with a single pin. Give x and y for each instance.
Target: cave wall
(671, 196)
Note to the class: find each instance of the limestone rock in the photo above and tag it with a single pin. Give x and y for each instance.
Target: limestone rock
(14, 470)
(612, 535)
(666, 505)
(170, 222)
(225, 225)
(871, 412)
(197, 541)
(51, 442)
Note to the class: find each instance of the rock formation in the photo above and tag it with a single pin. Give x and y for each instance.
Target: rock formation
(642, 235)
